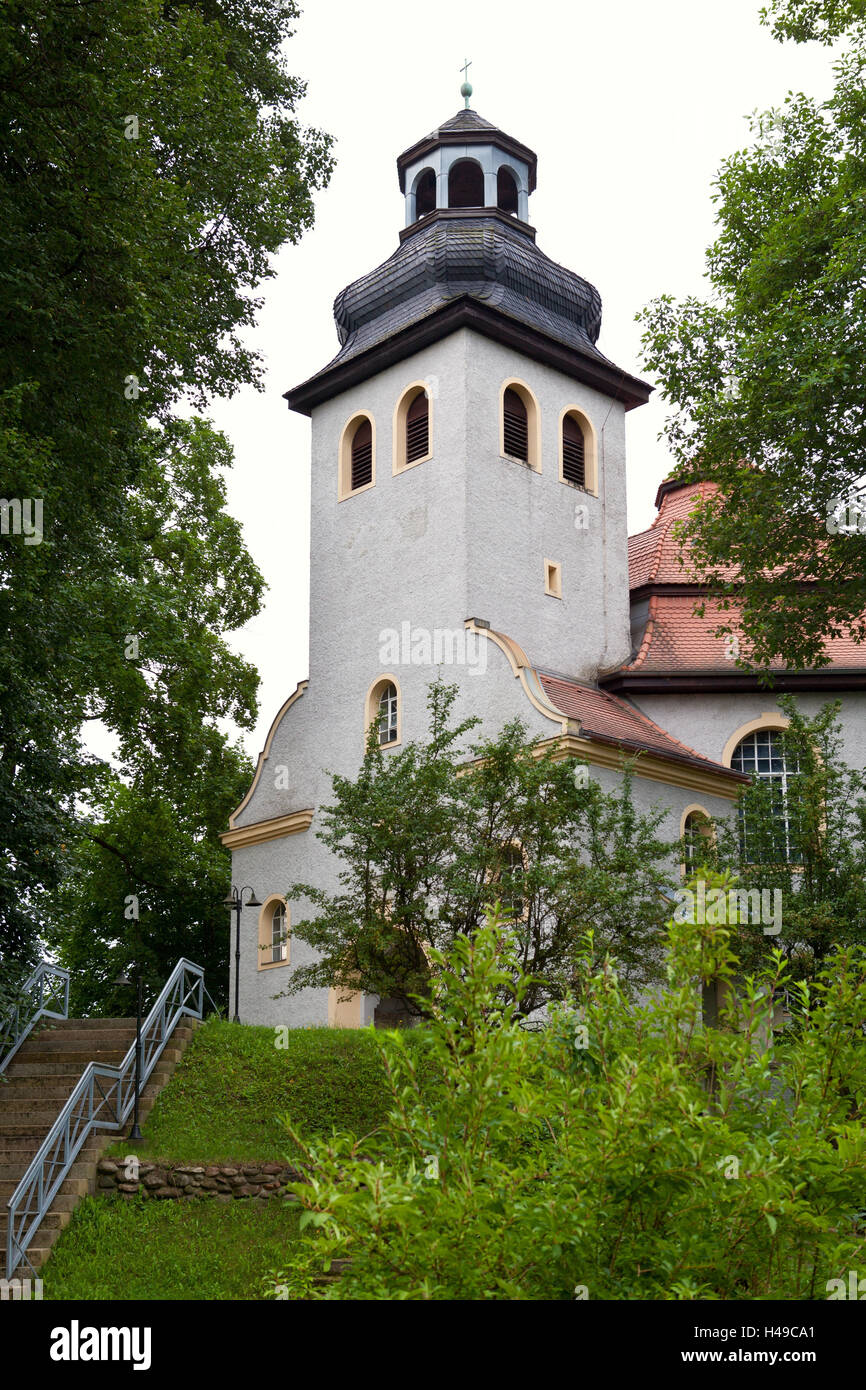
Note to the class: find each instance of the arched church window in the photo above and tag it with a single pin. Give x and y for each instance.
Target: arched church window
(357, 455)
(388, 715)
(506, 191)
(383, 711)
(697, 838)
(510, 877)
(465, 184)
(425, 193)
(768, 828)
(273, 933)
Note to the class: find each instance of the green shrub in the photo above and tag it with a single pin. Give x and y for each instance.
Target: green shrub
(623, 1152)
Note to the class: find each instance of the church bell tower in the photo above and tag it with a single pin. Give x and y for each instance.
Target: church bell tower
(468, 456)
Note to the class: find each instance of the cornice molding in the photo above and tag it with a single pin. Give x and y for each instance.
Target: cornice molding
(467, 312)
(655, 768)
(263, 830)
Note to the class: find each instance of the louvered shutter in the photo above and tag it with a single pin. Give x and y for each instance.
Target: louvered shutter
(418, 428)
(362, 455)
(516, 426)
(573, 452)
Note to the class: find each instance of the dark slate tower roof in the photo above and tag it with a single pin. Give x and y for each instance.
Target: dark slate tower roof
(477, 267)
(481, 256)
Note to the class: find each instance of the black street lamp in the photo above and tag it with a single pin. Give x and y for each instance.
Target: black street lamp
(235, 900)
(135, 1135)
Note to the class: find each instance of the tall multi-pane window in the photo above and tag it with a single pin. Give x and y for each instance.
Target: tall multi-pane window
(510, 879)
(768, 759)
(387, 717)
(279, 944)
(697, 837)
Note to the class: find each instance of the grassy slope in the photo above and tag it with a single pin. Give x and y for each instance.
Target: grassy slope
(224, 1101)
(222, 1105)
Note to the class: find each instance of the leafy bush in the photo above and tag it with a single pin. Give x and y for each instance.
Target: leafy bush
(624, 1152)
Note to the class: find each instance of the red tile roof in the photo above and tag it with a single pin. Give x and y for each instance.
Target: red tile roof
(675, 640)
(678, 640)
(608, 719)
(655, 556)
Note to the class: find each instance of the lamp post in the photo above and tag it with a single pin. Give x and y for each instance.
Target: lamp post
(235, 900)
(135, 1135)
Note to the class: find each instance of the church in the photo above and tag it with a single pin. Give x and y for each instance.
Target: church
(469, 519)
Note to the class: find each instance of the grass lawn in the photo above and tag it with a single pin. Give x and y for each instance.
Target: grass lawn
(224, 1100)
(115, 1249)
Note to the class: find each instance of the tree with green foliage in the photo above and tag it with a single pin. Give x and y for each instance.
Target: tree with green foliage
(810, 847)
(624, 1152)
(429, 836)
(151, 162)
(765, 377)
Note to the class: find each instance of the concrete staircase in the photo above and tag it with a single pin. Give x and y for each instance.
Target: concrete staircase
(40, 1080)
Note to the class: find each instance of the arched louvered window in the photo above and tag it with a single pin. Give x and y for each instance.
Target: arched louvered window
(418, 428)
(506, 191)
(465, 184)
(515, 426)
(573, 452)
(362, 455)
(425, 193)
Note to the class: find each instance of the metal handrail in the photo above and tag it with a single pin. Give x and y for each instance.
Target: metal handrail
(42, 986)
(102, 1099)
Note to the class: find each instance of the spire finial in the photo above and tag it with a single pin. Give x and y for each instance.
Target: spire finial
(466, 89)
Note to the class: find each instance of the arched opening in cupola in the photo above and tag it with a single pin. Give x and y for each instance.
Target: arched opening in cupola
(465, 184)
(506, 191)
(425, 193)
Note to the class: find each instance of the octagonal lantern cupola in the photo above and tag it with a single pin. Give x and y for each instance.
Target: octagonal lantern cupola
(467, 163)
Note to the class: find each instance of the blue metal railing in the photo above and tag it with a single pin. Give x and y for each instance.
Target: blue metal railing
(44, 995)
(102, 1099)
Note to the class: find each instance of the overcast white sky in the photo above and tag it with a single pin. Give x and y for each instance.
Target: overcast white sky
(631, 108)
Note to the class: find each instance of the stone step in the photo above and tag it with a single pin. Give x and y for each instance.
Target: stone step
(45, 1103)
(91, 1024)
(60, 1046)
(14, 1172)
(72, 1189)
(35, 1075)
(45, 1068)
(56, 1218)
(44, 1092)
(14, 1148)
